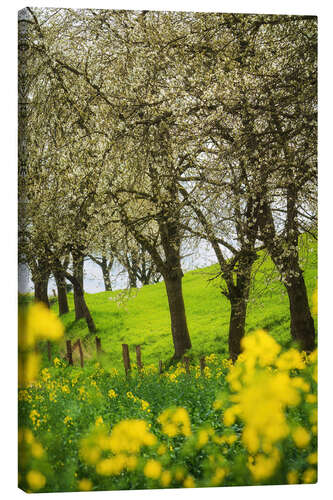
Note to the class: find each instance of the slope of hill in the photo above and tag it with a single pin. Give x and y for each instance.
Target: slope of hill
(140, 316)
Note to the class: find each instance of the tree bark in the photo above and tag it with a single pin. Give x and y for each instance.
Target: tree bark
(132, 278)
(106, 275)
(302, 328)
(62, 294)
(41, 291)
(301, 322)
(238, 296)
(236, 326)
(180, 334)
(81, 308)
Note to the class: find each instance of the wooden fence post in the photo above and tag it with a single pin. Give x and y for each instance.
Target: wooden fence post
(49, 352)
(187, 364)
(81, 352)
(69, 352)
(160, 367)
(202, 365)
(98, 345)
(126, 358)
(138, 357)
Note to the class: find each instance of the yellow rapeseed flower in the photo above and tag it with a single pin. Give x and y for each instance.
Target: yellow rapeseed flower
(129, 436)
(56, 362)
(35, 480)
(175, 421)
(85, 484)
(35, 416)
(28, 367)
(24, 396)
(152, 469)
(131, 462)
(230, 439)
(162, 449)
(311, 398)
(42, 324)
(189, 482)
(314, 416)
(218, 404)
(219, 476)
(112, 393)
(99, 421)
(301, 437)
(37, 450)
(312, 458)
(202, 438)
(28, 436)
(260, 405)
(144, 405)
(89, 452)
(309, 475)
(290, 360)
(292, 477)
(264, 466)
(300, 383)
(165, 478)
(68, 420)
(111, 466)
(251, 439)
(313, 356)
(229, 416)
(260, 347)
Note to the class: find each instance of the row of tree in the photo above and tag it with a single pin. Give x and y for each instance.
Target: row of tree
(142, 132)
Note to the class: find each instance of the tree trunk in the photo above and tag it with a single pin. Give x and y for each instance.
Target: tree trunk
(301, 322)
(180, 334)
(284, 253)
(132, 278)
(81, 308)
(238, 296)
(62, 294)
(41, 291)
(106, 275)
(236, 325)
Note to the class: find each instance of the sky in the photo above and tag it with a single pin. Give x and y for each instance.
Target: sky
(201, 255)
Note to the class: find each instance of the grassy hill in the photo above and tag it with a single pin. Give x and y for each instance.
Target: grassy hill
(141, 316)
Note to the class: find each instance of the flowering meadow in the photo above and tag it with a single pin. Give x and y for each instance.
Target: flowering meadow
(254, 422)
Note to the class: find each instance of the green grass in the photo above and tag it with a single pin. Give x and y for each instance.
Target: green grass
(142, 317)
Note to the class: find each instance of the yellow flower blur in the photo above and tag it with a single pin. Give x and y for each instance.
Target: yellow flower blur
(42, 324)
(35, 480)
(301, 437)
(85, 485)
(175, 421)
(37, 323)
(152, 469)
